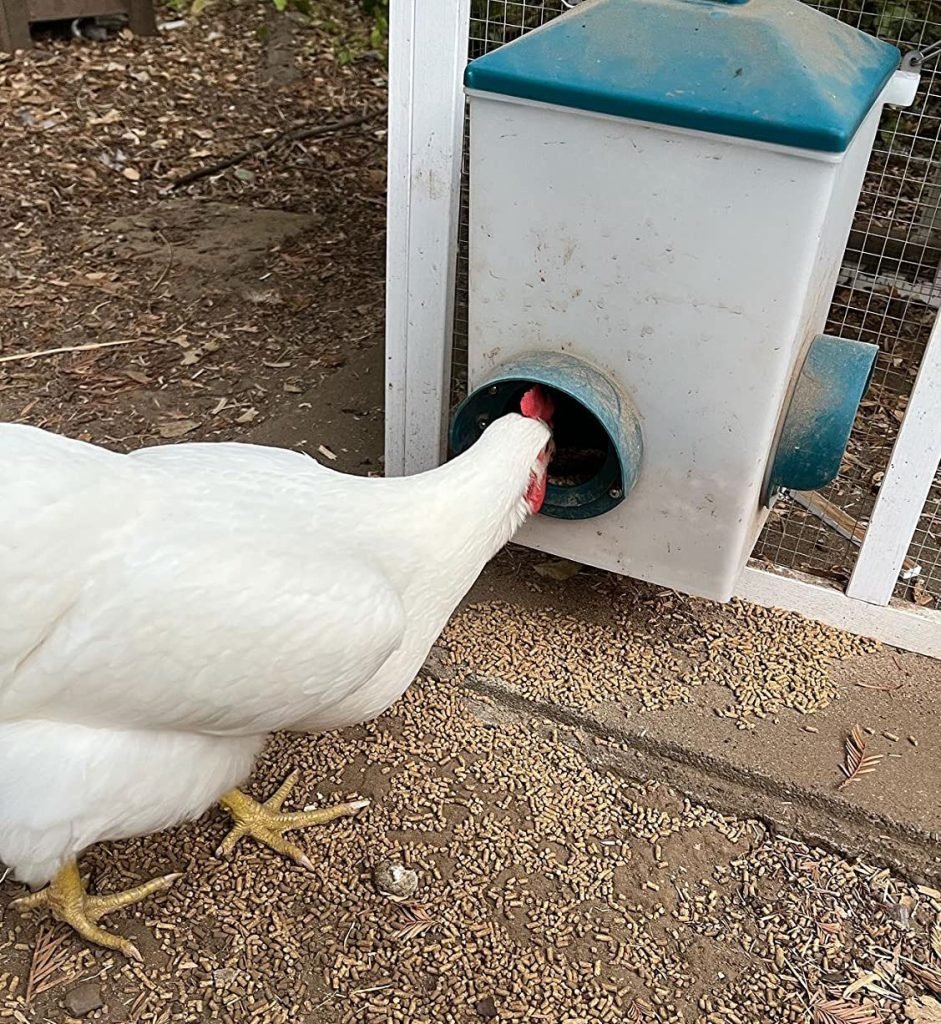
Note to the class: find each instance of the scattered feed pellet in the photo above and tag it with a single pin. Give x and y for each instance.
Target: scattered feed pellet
(548, 890)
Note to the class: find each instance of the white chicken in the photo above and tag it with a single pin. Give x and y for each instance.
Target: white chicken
(162, 612)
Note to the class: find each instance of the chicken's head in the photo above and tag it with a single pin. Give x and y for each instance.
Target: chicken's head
(536, 404)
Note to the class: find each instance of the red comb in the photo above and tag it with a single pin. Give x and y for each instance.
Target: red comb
(537, 405)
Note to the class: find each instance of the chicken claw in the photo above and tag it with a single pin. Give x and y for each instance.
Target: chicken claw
(266, 823)
(66, 899)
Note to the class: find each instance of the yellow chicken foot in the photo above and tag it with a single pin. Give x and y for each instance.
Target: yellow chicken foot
(66, 899)
(266, 822)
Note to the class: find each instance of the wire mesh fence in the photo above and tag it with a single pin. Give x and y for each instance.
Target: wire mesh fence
(889, 292)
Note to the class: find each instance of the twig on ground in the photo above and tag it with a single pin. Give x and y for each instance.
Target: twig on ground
(19, 356)
(296, 134)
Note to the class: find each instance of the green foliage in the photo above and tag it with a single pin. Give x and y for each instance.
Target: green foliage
(378, 10)
(900, 22)
(502, 21)
(907, 23)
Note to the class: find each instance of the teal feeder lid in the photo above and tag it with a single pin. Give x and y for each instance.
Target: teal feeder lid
(820, 415)
(595, 427)
(772, 71)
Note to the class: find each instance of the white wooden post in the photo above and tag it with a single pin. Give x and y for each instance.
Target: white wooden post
(905, 487)
(427, 56)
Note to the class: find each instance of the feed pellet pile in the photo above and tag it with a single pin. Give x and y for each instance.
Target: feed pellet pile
(768, 659)
(548, 890)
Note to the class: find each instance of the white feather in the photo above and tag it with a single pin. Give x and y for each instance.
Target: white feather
(161, 612)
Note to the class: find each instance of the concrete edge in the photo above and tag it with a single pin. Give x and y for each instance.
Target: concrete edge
(794, 811)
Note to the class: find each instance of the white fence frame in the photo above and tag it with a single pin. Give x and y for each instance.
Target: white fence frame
(427, 56)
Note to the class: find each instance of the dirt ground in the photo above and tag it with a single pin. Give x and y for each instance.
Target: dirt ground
(549, 889)
(214, 304)
(552, 884)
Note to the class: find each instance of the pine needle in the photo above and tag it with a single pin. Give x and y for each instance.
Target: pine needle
(839, 1011)
(49, 955)
(856, 764)
(141, 1004)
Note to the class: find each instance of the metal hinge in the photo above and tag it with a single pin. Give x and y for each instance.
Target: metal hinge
(916, 59)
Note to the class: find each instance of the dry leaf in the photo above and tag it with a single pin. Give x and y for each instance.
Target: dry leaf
(639, 1010)
(264, 297)
(856, 764)
(839, 1011)
(923, 1010)
(866, 981)
(936, 940)
(112, 117)
(177, 428)
(560, 569)
(812, 867)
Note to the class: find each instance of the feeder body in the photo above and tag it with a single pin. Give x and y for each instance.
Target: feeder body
(692, 267)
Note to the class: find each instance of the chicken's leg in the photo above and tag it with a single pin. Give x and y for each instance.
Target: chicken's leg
(66, 899)
(266, 823)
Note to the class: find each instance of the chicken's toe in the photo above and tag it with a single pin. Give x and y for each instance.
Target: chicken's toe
(266, 823)
(66, 899)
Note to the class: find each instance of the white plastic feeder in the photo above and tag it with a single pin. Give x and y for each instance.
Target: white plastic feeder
(662, 190)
